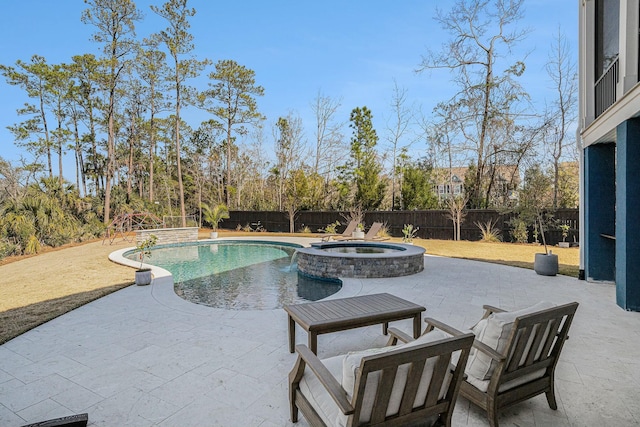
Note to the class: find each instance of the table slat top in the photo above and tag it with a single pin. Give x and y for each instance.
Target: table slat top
(351, 309)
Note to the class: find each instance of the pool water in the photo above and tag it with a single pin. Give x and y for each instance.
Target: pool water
(239, 275)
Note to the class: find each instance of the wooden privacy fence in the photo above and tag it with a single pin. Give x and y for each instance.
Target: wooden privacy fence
(433, 224)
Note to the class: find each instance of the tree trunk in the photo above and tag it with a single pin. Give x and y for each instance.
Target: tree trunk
(485, 124)
(152, 144)
(59, 149)
(228, 183)
(107, 183)
(183, 212)
(130, 162)
(81, 180)
(46, 134)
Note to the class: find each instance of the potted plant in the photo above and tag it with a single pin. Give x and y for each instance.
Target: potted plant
(409, 233)
(564, 228)
(533, 203)
(214, 216)
(358, 233)
(143, 275)
(545, 264)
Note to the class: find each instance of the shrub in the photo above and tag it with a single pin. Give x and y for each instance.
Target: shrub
(91, 229)
(33, 246)
(8, 249)
(519, 232)
(384, 231)
(409, 233)
(489, 232)
(144, 248)
(331, 228)
(214, 215)
(564, 228)
(356, 215)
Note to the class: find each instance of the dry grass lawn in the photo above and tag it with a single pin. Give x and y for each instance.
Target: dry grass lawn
(519, 255)
(36, 289)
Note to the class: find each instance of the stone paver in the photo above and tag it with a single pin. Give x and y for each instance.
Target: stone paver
(144, 357)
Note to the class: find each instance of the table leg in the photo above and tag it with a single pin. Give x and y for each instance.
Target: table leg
(313, 342)
(292, 335)
(416, 325)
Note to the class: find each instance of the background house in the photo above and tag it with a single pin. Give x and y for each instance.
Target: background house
(504, 180)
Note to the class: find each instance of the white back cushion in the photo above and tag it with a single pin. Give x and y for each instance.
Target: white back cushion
(494, 332)
(352, 362)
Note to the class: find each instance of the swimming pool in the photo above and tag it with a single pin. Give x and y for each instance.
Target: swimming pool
(238, 275)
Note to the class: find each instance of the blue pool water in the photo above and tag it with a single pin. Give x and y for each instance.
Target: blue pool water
(238, 275)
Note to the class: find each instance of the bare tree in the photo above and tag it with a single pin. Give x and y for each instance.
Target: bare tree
(397, 130)
(330, 149)
(456, 213)
(486, 100)
(11, 181)
(441, 135)
(251, 171)
(289, 146)
(560, 114)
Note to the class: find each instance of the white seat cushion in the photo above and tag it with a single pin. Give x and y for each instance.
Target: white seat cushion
(494, 332)
(483, 385)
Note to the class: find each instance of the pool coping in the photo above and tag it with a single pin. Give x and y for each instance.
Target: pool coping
(404, 249)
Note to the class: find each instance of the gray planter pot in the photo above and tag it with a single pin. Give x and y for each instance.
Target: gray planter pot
(546, 264)
(143, 277)
(213, 235)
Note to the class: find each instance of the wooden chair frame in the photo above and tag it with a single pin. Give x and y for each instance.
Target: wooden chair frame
(387, 365)
(79, 420)
(526, 328)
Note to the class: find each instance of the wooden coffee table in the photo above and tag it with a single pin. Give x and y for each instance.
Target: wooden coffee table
(335, 315)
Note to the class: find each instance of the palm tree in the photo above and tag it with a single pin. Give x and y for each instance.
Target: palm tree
(214, 215)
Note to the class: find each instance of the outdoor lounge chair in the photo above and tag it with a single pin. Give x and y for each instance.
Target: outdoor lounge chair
(371, 235)
(390, 386)
(346, 233)
(514, 356)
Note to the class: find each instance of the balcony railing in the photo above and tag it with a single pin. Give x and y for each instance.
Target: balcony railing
(605, 88)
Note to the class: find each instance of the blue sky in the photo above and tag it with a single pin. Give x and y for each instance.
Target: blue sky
(348, 50)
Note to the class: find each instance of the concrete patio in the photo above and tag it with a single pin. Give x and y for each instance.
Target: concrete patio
(145, 357)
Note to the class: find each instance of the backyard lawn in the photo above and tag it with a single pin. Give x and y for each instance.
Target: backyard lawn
(518, 255)
(36, 289)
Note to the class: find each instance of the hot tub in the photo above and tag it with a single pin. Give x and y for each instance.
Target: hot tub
(359, 259)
